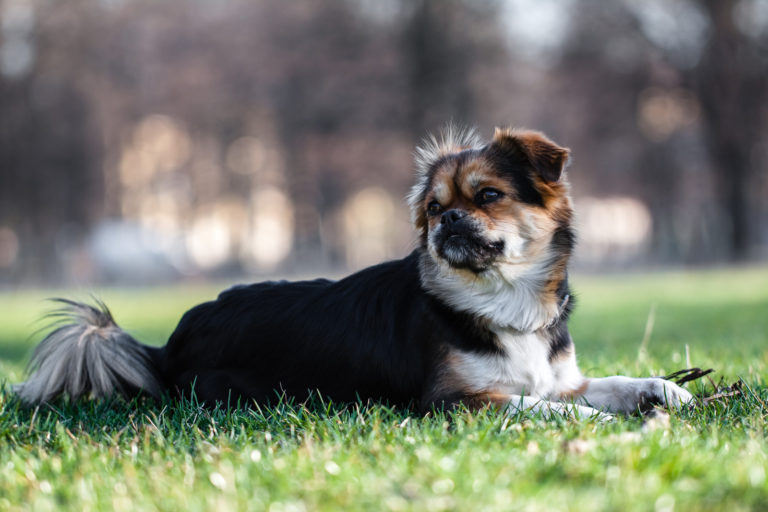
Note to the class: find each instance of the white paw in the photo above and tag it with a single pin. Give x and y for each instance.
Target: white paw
(601, 417)
(550, 409)
(581, 412)
(657, 391)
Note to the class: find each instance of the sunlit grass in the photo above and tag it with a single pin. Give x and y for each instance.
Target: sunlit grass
(180, 456)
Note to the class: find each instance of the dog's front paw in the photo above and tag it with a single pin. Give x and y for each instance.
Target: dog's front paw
(583, 412)
(657, 391)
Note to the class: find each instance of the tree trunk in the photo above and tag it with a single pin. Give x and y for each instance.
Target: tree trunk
(731, 81)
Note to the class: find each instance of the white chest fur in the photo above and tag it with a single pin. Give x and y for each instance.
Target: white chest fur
(521, 368)
(508, 296)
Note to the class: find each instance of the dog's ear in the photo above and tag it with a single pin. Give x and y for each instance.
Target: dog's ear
(547, 158)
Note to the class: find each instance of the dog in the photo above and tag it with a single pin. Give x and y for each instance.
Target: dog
(476, 315)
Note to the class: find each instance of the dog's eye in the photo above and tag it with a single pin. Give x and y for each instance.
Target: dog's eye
(487, 195)
(433, 208)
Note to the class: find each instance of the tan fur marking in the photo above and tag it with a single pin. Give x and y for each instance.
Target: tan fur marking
(549, 292)
(575, 393)
(441, 193)
(555, 195)
(447, 381)
(475, 175)
(563, 356)
(478, 401)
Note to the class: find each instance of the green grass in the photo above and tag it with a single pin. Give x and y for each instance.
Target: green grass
(180, 456)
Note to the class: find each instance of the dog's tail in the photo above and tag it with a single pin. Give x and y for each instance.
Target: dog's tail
(88, 354)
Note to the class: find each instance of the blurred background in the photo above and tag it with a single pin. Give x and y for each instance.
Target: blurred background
(151, 141)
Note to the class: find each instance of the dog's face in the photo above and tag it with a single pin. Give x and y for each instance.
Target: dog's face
(480, 207)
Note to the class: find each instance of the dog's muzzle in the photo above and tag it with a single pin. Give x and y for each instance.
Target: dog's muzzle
(460, 242)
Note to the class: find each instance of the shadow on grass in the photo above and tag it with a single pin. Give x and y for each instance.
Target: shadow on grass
(181, 420)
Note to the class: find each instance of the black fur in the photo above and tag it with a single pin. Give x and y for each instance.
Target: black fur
(375, 334)
(515, 166)
(558, 334)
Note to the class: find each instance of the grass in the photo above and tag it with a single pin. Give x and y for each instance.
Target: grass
(179, 456)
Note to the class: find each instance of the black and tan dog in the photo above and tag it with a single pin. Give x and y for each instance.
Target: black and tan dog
(476, 315)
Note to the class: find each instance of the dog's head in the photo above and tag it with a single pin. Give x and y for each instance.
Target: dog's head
(489, 212)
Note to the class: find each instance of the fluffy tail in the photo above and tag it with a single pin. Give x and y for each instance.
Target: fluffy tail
(88, 354)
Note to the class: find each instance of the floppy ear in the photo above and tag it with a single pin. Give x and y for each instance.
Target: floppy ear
(547, 158)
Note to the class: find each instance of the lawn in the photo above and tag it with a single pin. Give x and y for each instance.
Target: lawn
(180, 456)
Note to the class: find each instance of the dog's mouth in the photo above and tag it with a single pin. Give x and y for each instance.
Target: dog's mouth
(463, 247)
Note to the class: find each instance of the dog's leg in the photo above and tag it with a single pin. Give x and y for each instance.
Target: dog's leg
(616, 394)
(627, 395)
(547, 409)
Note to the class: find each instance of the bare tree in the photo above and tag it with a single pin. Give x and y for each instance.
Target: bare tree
(732, 83)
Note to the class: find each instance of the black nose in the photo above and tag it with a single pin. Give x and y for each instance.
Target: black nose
(452, 216)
